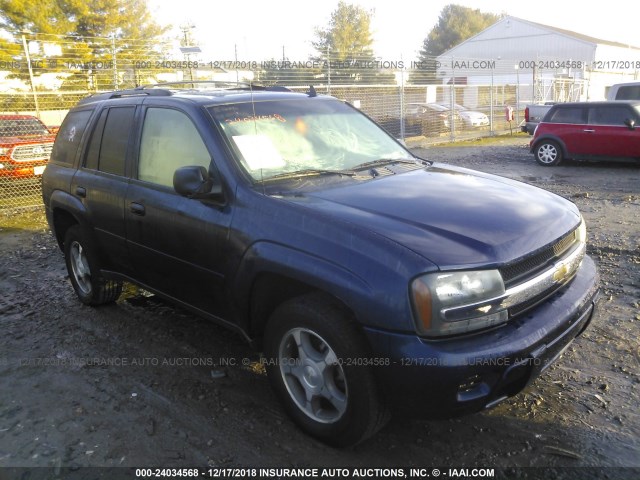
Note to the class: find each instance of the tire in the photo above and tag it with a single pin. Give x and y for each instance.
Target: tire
(84, 270)
(548, 153)
(310, 344)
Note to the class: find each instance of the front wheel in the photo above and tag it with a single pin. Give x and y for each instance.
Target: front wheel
(548, 153)
(84, 271)
(315, 365)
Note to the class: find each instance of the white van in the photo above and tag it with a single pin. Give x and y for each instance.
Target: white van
(624, 91)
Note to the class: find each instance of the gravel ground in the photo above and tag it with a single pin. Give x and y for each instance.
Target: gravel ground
(140, 383)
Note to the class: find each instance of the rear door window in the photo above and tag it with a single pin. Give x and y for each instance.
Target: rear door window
(115, 140)
(108, 146)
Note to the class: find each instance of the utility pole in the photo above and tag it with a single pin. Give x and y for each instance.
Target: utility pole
(187, 47)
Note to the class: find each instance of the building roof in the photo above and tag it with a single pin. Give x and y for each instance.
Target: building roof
(568, 33)
(576, 35)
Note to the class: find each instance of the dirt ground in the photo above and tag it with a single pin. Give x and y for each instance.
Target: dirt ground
(141, 383)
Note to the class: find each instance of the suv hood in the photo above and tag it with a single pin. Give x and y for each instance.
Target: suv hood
(451, 216)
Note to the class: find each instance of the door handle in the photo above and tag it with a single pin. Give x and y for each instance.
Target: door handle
(588, 130)
(81, 192)
(137, 209)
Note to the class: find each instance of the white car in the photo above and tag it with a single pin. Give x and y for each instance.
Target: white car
(471, 118)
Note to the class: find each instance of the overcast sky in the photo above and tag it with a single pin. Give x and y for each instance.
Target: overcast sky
(259, 29)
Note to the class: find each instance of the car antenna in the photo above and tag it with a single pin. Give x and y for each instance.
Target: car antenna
(312, 91)
(255, 130)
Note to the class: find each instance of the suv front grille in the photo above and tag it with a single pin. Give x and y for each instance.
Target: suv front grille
(32, 153)
(522, 269)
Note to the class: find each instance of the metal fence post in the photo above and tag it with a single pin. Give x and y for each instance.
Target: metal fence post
(328, 70)
(402, 130)
(491, 130)
(115, 61)
(452, 94)
(33, 87)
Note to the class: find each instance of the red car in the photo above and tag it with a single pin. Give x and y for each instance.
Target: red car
(588, 131)
(25, 146)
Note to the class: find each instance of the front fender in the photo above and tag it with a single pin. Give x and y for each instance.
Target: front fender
(303, 267)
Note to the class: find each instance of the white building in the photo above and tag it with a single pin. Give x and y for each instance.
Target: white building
(543, 63)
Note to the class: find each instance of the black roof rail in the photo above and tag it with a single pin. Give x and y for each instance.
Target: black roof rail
(194, 84)
(164, 89)
(133, 92)
(215, 84)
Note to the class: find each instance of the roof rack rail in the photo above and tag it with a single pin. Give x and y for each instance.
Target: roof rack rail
(193, 83)
(133, 92)
(164, 89)
(200, 85)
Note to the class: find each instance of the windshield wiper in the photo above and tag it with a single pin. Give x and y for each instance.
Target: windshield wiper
(386, 161)
(308, 172)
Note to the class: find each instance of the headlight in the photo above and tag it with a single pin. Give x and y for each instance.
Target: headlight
(449, 303)
(452, 303)
(581, 233)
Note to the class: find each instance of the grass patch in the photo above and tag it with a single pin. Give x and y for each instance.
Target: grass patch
(504, 139)
(26, 219)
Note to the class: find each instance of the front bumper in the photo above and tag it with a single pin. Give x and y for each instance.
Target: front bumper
(11, 170)
(439, 378)
(478, 122)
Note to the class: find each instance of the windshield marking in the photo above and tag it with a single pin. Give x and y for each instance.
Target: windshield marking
(254, 118)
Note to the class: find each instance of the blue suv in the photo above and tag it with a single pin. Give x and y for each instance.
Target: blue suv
(372, 280)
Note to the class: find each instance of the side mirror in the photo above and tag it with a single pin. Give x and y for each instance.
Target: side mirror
(195, 182)
(630, 122)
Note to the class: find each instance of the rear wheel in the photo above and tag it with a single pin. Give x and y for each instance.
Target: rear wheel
(548, 153)
(316, 363)
(84, 269)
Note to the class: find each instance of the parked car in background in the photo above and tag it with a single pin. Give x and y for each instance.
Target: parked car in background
(471, 118)
(25, 146)
(434, 119)
(533, 114)
(624, 91)
(588, 131)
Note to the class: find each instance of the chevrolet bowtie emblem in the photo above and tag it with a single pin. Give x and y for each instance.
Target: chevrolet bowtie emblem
(562, 271)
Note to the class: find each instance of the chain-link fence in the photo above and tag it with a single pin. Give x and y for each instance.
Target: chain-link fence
(440, 99)
(418, 114)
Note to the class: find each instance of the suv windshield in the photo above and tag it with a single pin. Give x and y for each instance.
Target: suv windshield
(275, 138)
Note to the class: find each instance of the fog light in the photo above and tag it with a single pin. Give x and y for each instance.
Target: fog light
(470, 383)
(473, 389)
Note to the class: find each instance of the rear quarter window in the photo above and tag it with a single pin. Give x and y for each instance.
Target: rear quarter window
(567, 115)
(68, 139)
(628, 92)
